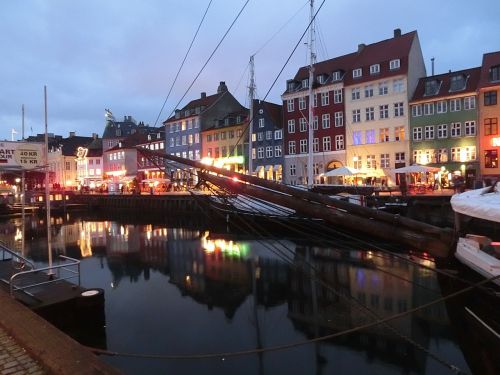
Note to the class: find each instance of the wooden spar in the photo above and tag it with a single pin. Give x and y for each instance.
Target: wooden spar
(424, 242)
(445, 234)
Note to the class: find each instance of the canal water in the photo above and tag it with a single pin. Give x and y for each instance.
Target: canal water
(187, 298)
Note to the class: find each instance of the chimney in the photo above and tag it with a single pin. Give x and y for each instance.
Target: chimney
(71, 134)
(203, 95)
(222, 87)
(397, 33)
(432, 61)
(95, 135)
(361, 47)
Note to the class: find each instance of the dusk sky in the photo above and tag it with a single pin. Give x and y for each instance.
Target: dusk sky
(124, 55)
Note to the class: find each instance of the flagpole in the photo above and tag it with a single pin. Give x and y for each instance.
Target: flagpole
(47, 191)
(23, 192)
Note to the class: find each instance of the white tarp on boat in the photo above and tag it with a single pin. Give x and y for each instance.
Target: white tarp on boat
(480, 203)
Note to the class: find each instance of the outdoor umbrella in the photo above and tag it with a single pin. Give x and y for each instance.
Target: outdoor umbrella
(416, 168)
(342, 171)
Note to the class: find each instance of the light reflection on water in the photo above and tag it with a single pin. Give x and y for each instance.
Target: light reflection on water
(184, 291)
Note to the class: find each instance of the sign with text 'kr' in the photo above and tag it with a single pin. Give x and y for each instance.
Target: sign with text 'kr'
(20, 155)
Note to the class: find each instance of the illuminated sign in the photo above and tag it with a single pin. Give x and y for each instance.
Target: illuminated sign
(495, 142)
(229, 248)
(20, 155)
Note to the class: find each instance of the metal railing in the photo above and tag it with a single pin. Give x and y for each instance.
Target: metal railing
(15, 256)
(74, 272)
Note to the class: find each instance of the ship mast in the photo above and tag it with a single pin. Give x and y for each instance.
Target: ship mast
(251, 97)
(312, 61)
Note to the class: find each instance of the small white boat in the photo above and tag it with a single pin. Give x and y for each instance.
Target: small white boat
(476, 251)
(480, 254)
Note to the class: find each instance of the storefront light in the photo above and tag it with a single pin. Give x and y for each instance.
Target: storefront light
(495, 142)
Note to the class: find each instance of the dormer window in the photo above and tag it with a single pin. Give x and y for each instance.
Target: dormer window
(394, 64)
(336, 76)
(291, 85)
(305, 83)
(186, 113)
(238, 119)
(494, 73)
(321, 79)
(457, 82)
(375, 69)
(432, 87)
(356, 73)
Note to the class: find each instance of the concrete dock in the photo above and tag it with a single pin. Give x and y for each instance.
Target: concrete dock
(31, 345)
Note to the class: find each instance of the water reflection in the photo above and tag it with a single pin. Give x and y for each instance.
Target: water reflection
(181, 291)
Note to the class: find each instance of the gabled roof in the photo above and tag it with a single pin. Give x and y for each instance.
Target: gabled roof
(130, 141)
(443, 82)
(95, 148)
(70, 145)
(274, 111)
(490, 60)
(203, 102)
(381, 52)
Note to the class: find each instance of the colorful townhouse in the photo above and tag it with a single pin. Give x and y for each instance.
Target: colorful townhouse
(489, 113)
(267, 141)
(89, 164)
(225, 143)
(444, 125)
(328, 148)
(184, 129)
(378, 87)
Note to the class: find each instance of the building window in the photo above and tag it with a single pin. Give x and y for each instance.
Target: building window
(442, 131)
(371, 162)
(325, 121)
(269, 135)
(370, 136)
(315, 123)
(428, 109)
(383, 88)
(339, 142)
(383, 111)
(494, 73)
(356, 115)
(490, 98)
(325, 98)
(399, 157)
(302, 124)
(470, 128)
(269, 152)
(278, 134)
(337, 96)
(357, 162)
(417, 134)
(469, 103)
(355, 93)
(231, 134)
(277, 151)
(356, 137)
(384, 135)
(291, 126)
(337, 76)
(491, 158)
(260, 136)
(429, 132)
(398, 85)
(416, 110)
(315, 144)
(399, 109)
(315, 100)
(368, 91)
(431, 87)
(321, 79)
(289, 105)
(491, 126)
(457, 82)
(302, 103)
(261, 123)
(375, 69)
(339, 119)
(305, 83)
(441, 106)
(399, 133)
(327, 144)
(455, 105)
(370, 113)
(293, 170)
(356, 73)
(456, 129)
(291, 148)
(463, 154)
(385, 161)
(303, 146)
(394, 64)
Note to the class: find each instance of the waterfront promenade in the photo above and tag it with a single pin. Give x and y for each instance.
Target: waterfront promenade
(31, 345)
